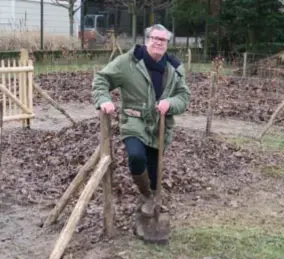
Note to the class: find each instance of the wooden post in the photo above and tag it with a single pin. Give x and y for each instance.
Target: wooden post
(189, 60)
(75, 184)
(3, 79)
(106, 148)
(245, 65)
(211, 102)
(24, 56)
(82, 203)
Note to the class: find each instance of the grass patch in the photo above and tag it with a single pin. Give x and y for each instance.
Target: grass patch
(83, 65)
(220, 242)
(273, 171)
(69, 66)
(49, 68)
(274, 142)
(268, 143)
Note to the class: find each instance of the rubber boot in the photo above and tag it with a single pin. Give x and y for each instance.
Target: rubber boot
(146, 202)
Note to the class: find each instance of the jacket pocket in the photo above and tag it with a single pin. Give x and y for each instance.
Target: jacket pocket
(132, 120)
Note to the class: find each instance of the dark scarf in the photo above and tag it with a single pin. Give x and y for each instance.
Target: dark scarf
(155, 69)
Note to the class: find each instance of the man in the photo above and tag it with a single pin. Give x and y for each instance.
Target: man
(151, 83)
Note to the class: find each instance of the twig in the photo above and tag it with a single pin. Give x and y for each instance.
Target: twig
(211, 103)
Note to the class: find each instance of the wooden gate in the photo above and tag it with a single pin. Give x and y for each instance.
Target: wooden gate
(16, 86)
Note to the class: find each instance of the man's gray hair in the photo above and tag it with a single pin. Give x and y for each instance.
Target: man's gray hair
(159, 27)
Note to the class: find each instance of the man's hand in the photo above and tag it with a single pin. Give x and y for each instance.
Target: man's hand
(108, 107)
(163, 106)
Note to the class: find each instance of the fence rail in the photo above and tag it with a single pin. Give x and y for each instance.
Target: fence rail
(16, 86)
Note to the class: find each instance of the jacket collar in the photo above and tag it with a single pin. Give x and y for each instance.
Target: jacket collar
(173, 64)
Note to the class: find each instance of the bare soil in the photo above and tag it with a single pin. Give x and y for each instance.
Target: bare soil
(208, 175)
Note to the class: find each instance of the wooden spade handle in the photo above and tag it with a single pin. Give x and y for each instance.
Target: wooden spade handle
(160, 156)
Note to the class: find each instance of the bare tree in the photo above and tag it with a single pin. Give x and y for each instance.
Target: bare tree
(136, 6)
(72, 8)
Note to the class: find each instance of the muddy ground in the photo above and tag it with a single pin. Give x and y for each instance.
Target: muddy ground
(208, 174)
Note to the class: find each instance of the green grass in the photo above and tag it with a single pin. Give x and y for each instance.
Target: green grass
(268, 143)
(46, 68)
(221, 242)
(83, 65)
(273, 171)
(274, 142)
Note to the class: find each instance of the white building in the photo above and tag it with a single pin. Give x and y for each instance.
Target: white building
(25, 15)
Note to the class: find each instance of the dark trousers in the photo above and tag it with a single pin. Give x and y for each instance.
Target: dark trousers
(142, 157)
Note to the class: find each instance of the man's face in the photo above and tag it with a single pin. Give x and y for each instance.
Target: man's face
(157, 43)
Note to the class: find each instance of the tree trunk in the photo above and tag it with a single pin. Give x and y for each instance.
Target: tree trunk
(205, 47)
(134, 21)
(251, 37)
(152, 14)
(174, 31)
(71, 17)
(144, 23)
(206, 35)
(71, 20)
(187, 42)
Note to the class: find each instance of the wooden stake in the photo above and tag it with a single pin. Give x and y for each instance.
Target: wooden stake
(107, 180)
(23, 82)
(53, 103)
(189, 60)
(245, 65)
(83, 201)
(271, 120)
(211, 102)
(77, 181)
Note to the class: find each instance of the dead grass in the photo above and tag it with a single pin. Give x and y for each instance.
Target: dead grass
(30, 40)
(218, 242)
(239, 233)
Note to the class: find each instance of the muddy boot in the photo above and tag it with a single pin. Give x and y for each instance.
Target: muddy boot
(148, 208)
(141, 200)
(158, 203)
(145, 202)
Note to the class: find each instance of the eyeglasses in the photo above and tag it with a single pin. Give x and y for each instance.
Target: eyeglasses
(162, 40)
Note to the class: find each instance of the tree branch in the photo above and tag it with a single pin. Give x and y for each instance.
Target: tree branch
(162, 6)
(55, 2)
(79, 6)
(124, 3)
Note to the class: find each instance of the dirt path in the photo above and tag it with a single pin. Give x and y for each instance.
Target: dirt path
(21, 236)
(48, 118)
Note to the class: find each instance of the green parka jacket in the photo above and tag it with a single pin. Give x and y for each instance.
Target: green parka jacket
(138, 114)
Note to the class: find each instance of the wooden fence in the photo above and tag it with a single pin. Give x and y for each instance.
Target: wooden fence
(98, 169)
(16, 86)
